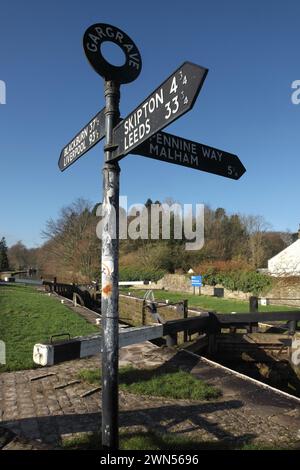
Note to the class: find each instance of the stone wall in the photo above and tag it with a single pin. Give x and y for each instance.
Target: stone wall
(285, 291)
(182, 283)
(285, 288)
(174, 282)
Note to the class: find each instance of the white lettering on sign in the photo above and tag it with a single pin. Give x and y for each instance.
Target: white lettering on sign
(212, 154)
(77, 146)
(168, 147)
(110, 33)
(175, 142)
(173, 98)
(87, 137)
(83, 141)
(179, 156)
(137, 126)
(69, 157)
(75, 142)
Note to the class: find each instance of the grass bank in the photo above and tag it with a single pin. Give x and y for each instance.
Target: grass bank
(176, 384)
(156, 441)
(28, 316)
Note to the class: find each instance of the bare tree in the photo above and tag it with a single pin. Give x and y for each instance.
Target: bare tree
(256, 226)
(72, 247)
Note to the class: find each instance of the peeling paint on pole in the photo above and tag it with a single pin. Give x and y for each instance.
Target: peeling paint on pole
(110, 276)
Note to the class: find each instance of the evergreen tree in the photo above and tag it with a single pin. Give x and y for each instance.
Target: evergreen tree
(3, 255)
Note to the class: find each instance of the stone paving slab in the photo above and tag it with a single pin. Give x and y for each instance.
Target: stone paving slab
(38, 410)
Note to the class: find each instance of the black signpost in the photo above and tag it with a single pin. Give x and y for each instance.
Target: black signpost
(173, 98)
(89, 136)
(138, 133)
(99, 33)
(172, 149)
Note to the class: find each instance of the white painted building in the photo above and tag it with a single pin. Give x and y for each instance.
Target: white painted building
(287, 262)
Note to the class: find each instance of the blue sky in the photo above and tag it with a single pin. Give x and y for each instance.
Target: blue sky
(251, 49)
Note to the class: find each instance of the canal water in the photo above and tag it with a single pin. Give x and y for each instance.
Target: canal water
(34, 279)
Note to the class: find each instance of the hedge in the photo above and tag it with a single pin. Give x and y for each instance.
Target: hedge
(130, 273)
(245, 281)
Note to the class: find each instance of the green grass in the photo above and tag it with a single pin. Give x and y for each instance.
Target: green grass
(156, 441)
(158, 382)
(209, 303)
(28, 317)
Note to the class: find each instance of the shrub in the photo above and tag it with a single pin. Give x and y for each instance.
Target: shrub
(131, 273)
(245, 281)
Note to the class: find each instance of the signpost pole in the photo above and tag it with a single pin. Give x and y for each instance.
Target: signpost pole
(110, 274)
(140, 133)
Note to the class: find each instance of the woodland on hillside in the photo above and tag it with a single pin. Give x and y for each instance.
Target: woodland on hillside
(71, 250)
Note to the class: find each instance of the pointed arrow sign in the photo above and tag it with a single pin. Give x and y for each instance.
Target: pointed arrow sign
(92, 133)
(173, 98)
(172, 149)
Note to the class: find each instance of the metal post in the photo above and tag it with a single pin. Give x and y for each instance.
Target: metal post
(292, 325)
(144, 312)
(171, 340)
(110, 276)
(185, 315)
(253, 304)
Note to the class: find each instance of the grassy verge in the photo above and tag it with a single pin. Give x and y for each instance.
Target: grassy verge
(158, 382)
(208, 303)
(156, 441)
(28, 317)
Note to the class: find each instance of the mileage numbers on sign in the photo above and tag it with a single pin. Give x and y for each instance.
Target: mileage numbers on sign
(168, 102)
